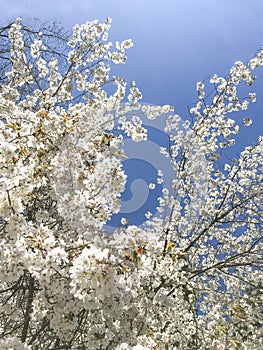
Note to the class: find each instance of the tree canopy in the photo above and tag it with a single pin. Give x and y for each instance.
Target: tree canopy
(189, 278)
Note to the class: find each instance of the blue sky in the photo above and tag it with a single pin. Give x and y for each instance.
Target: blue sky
(176, 42)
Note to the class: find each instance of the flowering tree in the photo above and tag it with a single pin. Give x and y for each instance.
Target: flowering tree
(190, 278)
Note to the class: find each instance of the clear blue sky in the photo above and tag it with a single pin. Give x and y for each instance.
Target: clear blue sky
(177, 42)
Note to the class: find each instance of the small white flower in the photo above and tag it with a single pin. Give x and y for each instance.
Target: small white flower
(151, 186)
(159, 180)
(231, 142)
(165, 191)
(247, 121)
(222, 144)
(252, 97)
(148, 214)
(200, 87)
(124, 221)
